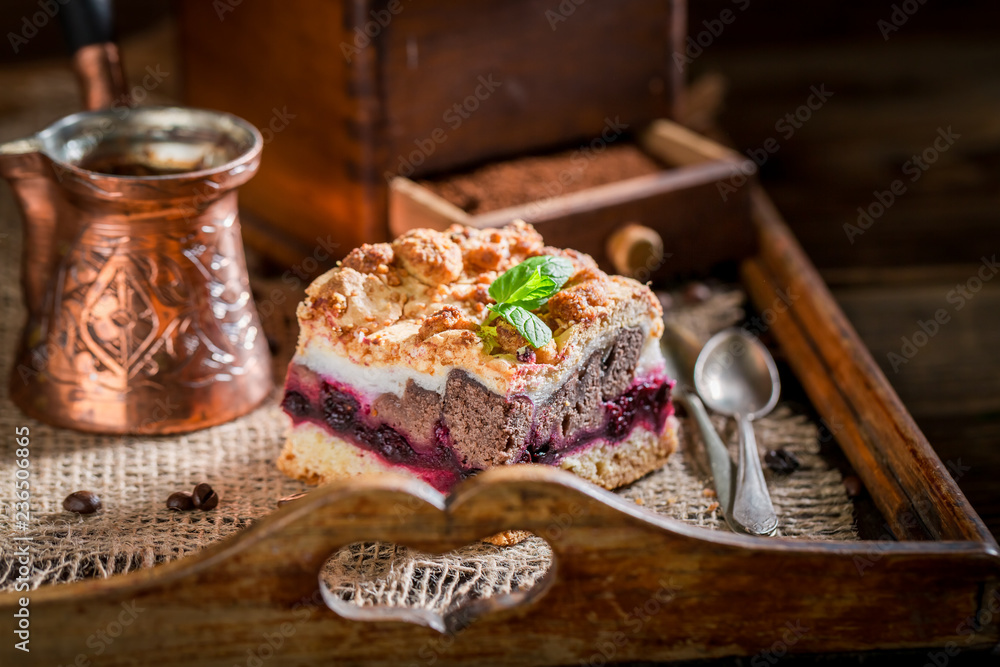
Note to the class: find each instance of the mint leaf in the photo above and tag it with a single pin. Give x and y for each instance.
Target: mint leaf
(535, 303)
(554, 272)
(536, 286)
(535, 331)
(557, 269)
(510, 280)
(521, 289)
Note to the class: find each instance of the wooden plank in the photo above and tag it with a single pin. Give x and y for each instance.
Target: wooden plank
(676, 145)
(671, 590)
(888, 428)
(466, 83)
(829, 401)
(939, 367)
(888, 102)
(412, 206)
(320, 170)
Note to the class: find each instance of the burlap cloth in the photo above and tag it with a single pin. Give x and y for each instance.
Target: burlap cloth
(134, 476)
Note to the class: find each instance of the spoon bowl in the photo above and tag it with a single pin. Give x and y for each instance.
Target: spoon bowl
(736, 375)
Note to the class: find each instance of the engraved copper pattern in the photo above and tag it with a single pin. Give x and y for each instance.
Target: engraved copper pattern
(141, 318)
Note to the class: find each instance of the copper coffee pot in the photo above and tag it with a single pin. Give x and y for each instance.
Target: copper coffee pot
(140, 318)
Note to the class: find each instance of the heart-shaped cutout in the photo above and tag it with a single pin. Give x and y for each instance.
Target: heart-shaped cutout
(384, 581)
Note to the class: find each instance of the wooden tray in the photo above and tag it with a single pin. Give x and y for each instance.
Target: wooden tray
(625, 581)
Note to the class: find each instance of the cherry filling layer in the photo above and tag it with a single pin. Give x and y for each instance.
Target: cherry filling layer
(539, 434)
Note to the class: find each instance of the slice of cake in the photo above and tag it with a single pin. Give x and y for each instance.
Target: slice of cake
(403, 364)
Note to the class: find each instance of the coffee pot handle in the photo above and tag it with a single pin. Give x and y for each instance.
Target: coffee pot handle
(89, 29)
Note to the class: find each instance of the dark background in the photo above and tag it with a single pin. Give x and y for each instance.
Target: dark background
(940, 69)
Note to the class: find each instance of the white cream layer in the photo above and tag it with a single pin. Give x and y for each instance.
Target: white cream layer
(318, 355)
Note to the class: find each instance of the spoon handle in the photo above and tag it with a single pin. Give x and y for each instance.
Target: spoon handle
(718, 455)
(752, 508)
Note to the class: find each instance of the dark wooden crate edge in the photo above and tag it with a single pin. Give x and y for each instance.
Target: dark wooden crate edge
(699, 227)
(911, 487)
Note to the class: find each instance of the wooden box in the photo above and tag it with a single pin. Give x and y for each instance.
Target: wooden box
(351, 94)
(695, 215)
(930, 580)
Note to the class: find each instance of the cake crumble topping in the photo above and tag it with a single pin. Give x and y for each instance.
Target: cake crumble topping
(421, 299)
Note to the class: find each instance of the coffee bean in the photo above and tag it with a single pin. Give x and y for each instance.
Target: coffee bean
(180, 501)
(205, 498)
(853, 486)
(287, 499)
(82, 502)
(782, 461)
(696, 293)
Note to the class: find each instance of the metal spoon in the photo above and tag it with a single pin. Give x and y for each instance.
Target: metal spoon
(736, 376)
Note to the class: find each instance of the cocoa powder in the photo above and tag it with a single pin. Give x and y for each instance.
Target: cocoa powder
(520, 181)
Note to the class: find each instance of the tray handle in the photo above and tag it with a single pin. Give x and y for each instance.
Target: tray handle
(284, 553)
(620, 571)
